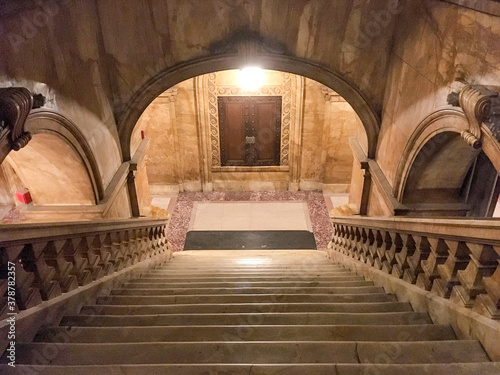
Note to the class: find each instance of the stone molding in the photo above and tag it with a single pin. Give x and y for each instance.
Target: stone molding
(59, 125)
(127, 118)
(423, 133)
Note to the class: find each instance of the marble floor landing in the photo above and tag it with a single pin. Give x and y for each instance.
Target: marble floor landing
(246, 210)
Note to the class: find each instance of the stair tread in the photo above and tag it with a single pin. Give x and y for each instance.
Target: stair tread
(489, 368)
(291, 318)
(247, 307)
(454, 351)
(247, 290)
(296, 333)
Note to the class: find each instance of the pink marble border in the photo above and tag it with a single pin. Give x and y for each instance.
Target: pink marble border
(316, 205)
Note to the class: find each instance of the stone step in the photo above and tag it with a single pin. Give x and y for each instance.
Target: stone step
(482, 368)
(277, 268)
(245, 298)
(247, 308)
(243, 290)
(263, 273)
(310, 318)
(203, 279)
(456, 351)
(247, 333)
(142, 284)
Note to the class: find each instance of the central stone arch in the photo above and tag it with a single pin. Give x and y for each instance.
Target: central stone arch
(128, 118)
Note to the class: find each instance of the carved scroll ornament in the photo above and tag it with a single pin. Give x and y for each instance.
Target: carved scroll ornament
(481, 105)
(15, 106)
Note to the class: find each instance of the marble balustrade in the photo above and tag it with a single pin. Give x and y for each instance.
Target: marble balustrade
(453, 258)
(55, 258)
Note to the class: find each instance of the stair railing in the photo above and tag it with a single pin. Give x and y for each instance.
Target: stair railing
(41, 261)
(453, 258)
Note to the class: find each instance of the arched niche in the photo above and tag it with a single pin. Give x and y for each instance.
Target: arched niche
(128, 118)
(48, 122)
(52, 171)
(441, 174)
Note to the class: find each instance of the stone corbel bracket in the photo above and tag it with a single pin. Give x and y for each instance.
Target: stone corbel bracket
(15, 106)
(481, 105)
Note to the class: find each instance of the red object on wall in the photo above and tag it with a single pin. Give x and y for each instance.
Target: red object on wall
(143, 134)
(24, 196)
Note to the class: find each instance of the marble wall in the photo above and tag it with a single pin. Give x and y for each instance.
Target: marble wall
(53, 172)
(437, 46)
(89, 58)
(174, 125)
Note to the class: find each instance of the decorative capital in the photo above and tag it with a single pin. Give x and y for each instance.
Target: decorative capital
(15, 106)
(481, 105)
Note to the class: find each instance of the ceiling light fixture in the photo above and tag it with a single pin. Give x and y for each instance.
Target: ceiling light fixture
(252, 78)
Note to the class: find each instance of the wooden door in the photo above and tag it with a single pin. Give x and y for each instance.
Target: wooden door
(250, 130)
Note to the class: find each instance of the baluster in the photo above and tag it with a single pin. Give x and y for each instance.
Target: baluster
(362, 240)
(343, 240)
(91, 258)
(489, 304)
(144, 243)
(355, 243)
(45, 275)
(54, 257)
(402, 257)
(438, 255)
(99, 247)
(385, 244)
(156, 240)
(390, 255)
(421, 253)
(133, 245)
(458, 259)
(128, 253)
(113, 243)
(378, 242)
(27, 294)
(144, 252)
(368, 248)
(482, 263)
(80, 263)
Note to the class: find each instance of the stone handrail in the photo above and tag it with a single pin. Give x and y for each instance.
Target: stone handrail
(54, 258)
(453, 258)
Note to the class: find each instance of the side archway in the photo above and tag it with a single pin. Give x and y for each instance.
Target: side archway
(170, 77)
(441, 174)
(44, 121)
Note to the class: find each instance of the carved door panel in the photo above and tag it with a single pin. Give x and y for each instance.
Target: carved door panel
(250, 130)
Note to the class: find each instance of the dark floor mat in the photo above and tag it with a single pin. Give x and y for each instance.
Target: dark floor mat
(245, 239)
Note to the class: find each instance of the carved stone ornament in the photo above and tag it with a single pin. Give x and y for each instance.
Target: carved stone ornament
(481, 105)
(15, 105)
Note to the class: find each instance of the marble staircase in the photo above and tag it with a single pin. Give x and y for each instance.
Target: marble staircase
(249, 312)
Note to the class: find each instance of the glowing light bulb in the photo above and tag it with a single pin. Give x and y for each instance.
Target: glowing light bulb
(251, 78)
